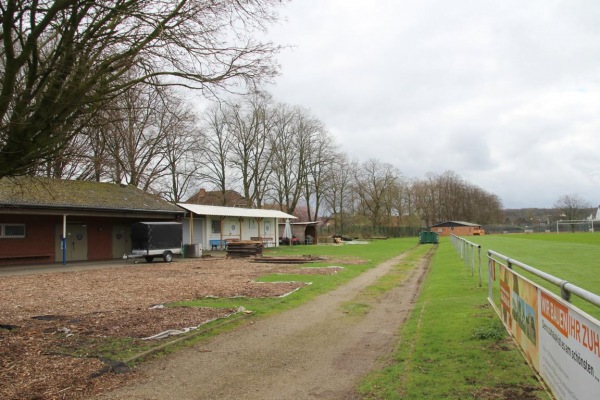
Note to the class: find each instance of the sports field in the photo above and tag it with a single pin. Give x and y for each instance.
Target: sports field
(574, 257)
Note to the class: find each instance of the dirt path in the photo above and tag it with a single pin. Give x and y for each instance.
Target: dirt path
(315, 351)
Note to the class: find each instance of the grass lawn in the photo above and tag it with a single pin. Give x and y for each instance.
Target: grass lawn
(453, 346)
(574, 257)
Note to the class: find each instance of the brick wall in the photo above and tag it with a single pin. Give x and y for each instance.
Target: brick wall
(38, 242)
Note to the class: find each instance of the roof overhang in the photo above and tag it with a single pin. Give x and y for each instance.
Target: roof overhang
(89, 212)
(200, 209)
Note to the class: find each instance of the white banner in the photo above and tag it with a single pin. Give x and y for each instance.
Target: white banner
(569, 349)
(561, 342)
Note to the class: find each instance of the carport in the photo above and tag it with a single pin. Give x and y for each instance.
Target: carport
(306, 232)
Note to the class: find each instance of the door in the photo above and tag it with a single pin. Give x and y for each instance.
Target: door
(121, 240)
(76, 244)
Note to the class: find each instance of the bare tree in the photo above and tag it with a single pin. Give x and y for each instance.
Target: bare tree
(216, 150)
(294, 137)
(284, 179)
(321, 157)
(61, 60)
(181, 145)
(373, 183)
(338, 193)
(137, 137)
(572, 207)
(448, 197)
(251, 126)
(426, 199)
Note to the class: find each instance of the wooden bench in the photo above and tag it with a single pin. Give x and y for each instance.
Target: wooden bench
(216, 244)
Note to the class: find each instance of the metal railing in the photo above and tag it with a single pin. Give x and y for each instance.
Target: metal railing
(469, 252)
(566, 288)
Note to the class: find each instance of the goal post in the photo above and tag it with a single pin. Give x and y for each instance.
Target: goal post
(576, 225)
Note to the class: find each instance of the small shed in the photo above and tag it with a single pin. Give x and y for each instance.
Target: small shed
(459, 228)
(306, 232)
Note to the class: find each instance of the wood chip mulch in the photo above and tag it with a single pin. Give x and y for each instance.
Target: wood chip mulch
(53, 325)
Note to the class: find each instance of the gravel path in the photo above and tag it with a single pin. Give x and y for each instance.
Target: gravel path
(315, 351)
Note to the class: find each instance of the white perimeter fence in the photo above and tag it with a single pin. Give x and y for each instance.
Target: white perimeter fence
(469, 252)
(560, 341)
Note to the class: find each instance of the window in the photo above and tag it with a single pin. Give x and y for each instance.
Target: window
(216, 226)
(12, 231)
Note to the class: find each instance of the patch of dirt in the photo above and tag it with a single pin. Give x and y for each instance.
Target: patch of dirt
(507, 392)
(46, 318)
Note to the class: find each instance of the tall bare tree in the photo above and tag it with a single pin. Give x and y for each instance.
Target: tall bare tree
(373, 182)
(251, 126)
(285, 157)
(338, 193)
(61, 60)
(216, 150)
(321, 158)
(294, 138)
(137, 137)
(182, 144)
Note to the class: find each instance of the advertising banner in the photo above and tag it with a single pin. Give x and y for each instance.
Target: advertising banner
(560, 341)
(570, 350)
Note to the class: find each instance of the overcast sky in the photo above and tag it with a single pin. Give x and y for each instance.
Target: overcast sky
(504, 93)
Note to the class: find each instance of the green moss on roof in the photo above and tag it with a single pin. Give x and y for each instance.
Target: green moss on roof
(56, 193)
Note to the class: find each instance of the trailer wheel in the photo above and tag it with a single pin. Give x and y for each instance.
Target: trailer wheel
(149, 258)
(168, 256)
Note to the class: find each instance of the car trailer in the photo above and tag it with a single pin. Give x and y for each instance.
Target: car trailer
(151, 240)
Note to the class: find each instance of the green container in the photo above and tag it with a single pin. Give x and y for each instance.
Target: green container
(428, 237)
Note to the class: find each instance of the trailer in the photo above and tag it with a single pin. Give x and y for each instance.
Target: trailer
(155, 239)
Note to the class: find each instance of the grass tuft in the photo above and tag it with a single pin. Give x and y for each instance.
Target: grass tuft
(491, 331)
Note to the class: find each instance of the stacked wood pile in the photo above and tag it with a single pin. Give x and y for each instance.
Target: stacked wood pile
(244, 248)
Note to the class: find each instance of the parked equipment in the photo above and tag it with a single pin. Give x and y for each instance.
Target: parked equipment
(156, 239)
(428, 237)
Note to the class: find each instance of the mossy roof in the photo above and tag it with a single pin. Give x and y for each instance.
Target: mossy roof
(36, 192)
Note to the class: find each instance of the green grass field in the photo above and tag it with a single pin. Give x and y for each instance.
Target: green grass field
(453, 346)
(574, 257)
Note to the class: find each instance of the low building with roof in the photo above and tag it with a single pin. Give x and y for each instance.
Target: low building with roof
(458, 228)
(209, 227)
(93, 217)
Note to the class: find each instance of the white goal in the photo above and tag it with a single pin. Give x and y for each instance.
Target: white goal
(578, 225)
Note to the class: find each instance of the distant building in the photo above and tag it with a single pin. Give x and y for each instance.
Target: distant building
(229, 198)
(459, 228)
